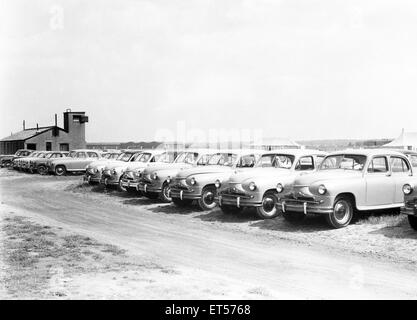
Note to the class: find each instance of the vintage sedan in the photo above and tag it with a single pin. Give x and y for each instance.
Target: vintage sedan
(39, 164)
(131, 178)
(112, 174)
(154, 181)
(7, 160)
(347, 181)
(76, 161)
(199, 183)
(259, 187)
(23, 164)
(94, 170)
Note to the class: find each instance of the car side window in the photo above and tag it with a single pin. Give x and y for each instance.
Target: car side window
(305, 163)
(378, 164)
(92, 155)
(247, 161)
(81, 155)
(399, 165)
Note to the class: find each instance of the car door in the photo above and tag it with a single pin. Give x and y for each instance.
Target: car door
(380, 185)
(401, 172)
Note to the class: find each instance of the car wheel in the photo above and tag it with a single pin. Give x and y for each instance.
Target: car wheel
(181, 203)
(293, 216)
(228, 209)
(268, 208)
(42, 170)
(164, 195)
(60, 170)
(7, 164)
(413, 222)
(206, 201)
(341, 214)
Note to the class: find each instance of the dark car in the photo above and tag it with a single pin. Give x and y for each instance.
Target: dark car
(7, 160)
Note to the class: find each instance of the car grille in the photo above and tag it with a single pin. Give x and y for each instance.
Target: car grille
(179, 184)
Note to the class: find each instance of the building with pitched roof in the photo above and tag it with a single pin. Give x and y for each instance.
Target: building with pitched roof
(50, 138)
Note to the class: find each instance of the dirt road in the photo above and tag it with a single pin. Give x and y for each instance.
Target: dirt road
(213, 256)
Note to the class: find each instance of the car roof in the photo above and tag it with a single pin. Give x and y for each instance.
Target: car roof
(296, 152)
(369, 152)
(88, 150)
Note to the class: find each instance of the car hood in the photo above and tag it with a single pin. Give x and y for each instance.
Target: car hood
(168, 166)
(257, 174)
(324, 175)
(199, 170)
(104, 163)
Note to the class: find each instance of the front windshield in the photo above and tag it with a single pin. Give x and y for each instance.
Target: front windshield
(49, 155)
(284, 161)
(33, 154)
(143, 157)
(413, 160)
(166, 157)
(344, 161)
(125, 156)
(187, 157)
(42, 155)
(106, 156)
(113, 156)
(223, 159)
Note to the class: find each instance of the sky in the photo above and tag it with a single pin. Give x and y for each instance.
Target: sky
(301, 69)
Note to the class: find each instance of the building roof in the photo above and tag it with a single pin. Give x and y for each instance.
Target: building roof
(406, 139)
(26, 134)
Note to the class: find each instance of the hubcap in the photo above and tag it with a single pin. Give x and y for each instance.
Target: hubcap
(59, 170)
(342, 212)
(208, 198)
(268, 204)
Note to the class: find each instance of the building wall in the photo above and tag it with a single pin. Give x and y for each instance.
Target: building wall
(74, 140)
(10, 147)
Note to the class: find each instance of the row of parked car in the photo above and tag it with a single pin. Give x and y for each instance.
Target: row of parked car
(290, 183)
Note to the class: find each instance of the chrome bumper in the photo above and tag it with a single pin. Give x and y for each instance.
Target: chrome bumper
(237, 200)
(184, 194)
(304, 206)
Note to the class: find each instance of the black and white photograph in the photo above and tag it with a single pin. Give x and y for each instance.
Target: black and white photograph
(207, 150)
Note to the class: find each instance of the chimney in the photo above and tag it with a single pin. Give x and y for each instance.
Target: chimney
(37, 127)
(56, 120)
(24, 125)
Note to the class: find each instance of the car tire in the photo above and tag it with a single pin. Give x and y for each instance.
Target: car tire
(60, 170)
(182, 203)
(7, 164)
(342, 213)
(228, 209)
(164, 195)
(293, 217)
(268, 209)
(413, 222)
(42, 170)
(206, 201)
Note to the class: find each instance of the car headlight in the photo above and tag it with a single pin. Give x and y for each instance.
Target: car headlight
(114, 171)
(154, 176)
(322, 189)
(407, 189)
(168, 179)
(192, 181)
(217, 184)
(252, 186)
(280, 188)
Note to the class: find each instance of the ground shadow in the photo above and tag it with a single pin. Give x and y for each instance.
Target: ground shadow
(309, 224)
(140, 201)
(247, 214)
(173, 209)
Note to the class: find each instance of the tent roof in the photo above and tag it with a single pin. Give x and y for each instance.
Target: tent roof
(404, 140)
